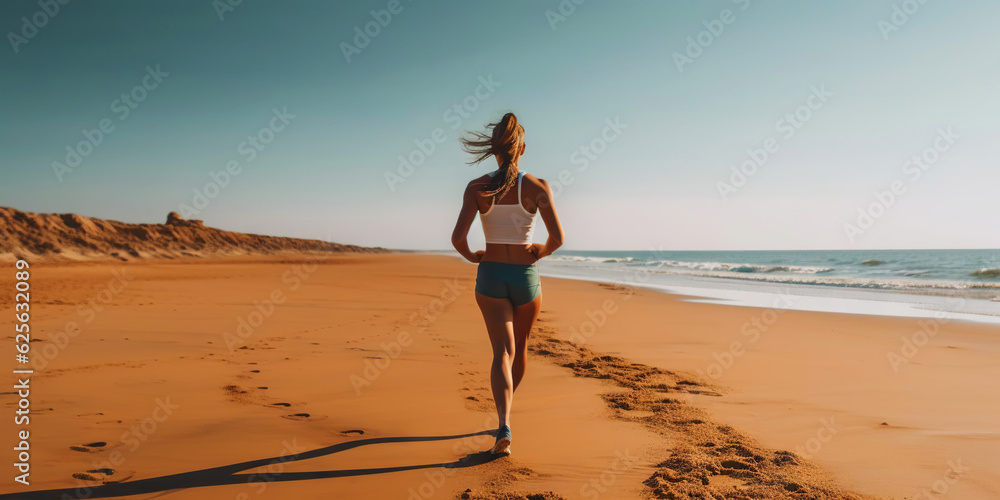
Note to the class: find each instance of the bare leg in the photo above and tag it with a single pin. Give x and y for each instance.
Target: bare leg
(524, 318)
(499, 317)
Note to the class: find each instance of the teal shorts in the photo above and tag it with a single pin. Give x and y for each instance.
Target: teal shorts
(518, 282)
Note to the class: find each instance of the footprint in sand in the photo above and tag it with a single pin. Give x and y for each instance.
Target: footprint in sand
(352, 432)
(95, 447)
(254, 371)
(306, 417)
(284, 405)
(706, 393)
(479, 402)
(36, 411)
(243, 395)
(106, 476)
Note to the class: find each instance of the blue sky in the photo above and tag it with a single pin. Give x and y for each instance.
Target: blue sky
(660, 178)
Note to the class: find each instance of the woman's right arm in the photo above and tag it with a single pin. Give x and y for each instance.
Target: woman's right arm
(460, 236)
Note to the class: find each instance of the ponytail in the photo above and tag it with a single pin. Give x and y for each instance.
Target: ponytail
(506, 142)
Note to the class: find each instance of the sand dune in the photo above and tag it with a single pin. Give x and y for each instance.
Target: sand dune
(75, 237)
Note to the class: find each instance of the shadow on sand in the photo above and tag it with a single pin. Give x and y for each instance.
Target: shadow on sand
(227, 474)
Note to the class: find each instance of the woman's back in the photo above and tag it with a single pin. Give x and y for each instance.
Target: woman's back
(508, 224)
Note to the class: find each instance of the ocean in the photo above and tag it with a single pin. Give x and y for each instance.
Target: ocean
(949, 284)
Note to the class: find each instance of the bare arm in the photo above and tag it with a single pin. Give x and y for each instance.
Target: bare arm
(551, 220)
(460, 236)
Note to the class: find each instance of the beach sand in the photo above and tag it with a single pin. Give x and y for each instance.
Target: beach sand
(366, 376)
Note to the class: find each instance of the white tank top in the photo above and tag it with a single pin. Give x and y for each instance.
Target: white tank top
(508, 223)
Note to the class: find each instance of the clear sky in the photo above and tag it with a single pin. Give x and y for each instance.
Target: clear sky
(843, 94)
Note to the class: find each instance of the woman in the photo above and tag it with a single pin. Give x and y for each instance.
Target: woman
(507, 286)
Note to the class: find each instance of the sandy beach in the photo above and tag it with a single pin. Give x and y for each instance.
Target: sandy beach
(752, 246)
(365, 376)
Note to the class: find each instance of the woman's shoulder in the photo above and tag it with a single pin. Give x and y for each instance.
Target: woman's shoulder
(482, 179)
(478, 183)
(536, 182)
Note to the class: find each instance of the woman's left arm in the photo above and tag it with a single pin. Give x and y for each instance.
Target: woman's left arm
(547, 209)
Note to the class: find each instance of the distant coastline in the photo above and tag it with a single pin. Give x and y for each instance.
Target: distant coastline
(72, 237)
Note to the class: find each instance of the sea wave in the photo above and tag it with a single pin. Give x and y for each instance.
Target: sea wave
(603, 260)
(986, 273)
(909, 272)
(741, 268)
(612, 260)
(873, 262)
(869, 283)
(696, 265)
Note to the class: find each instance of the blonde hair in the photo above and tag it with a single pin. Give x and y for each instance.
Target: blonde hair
(506, 142)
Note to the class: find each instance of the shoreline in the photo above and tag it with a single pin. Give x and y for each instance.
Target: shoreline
(823, 299)
(164, 335)
(812, 297)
